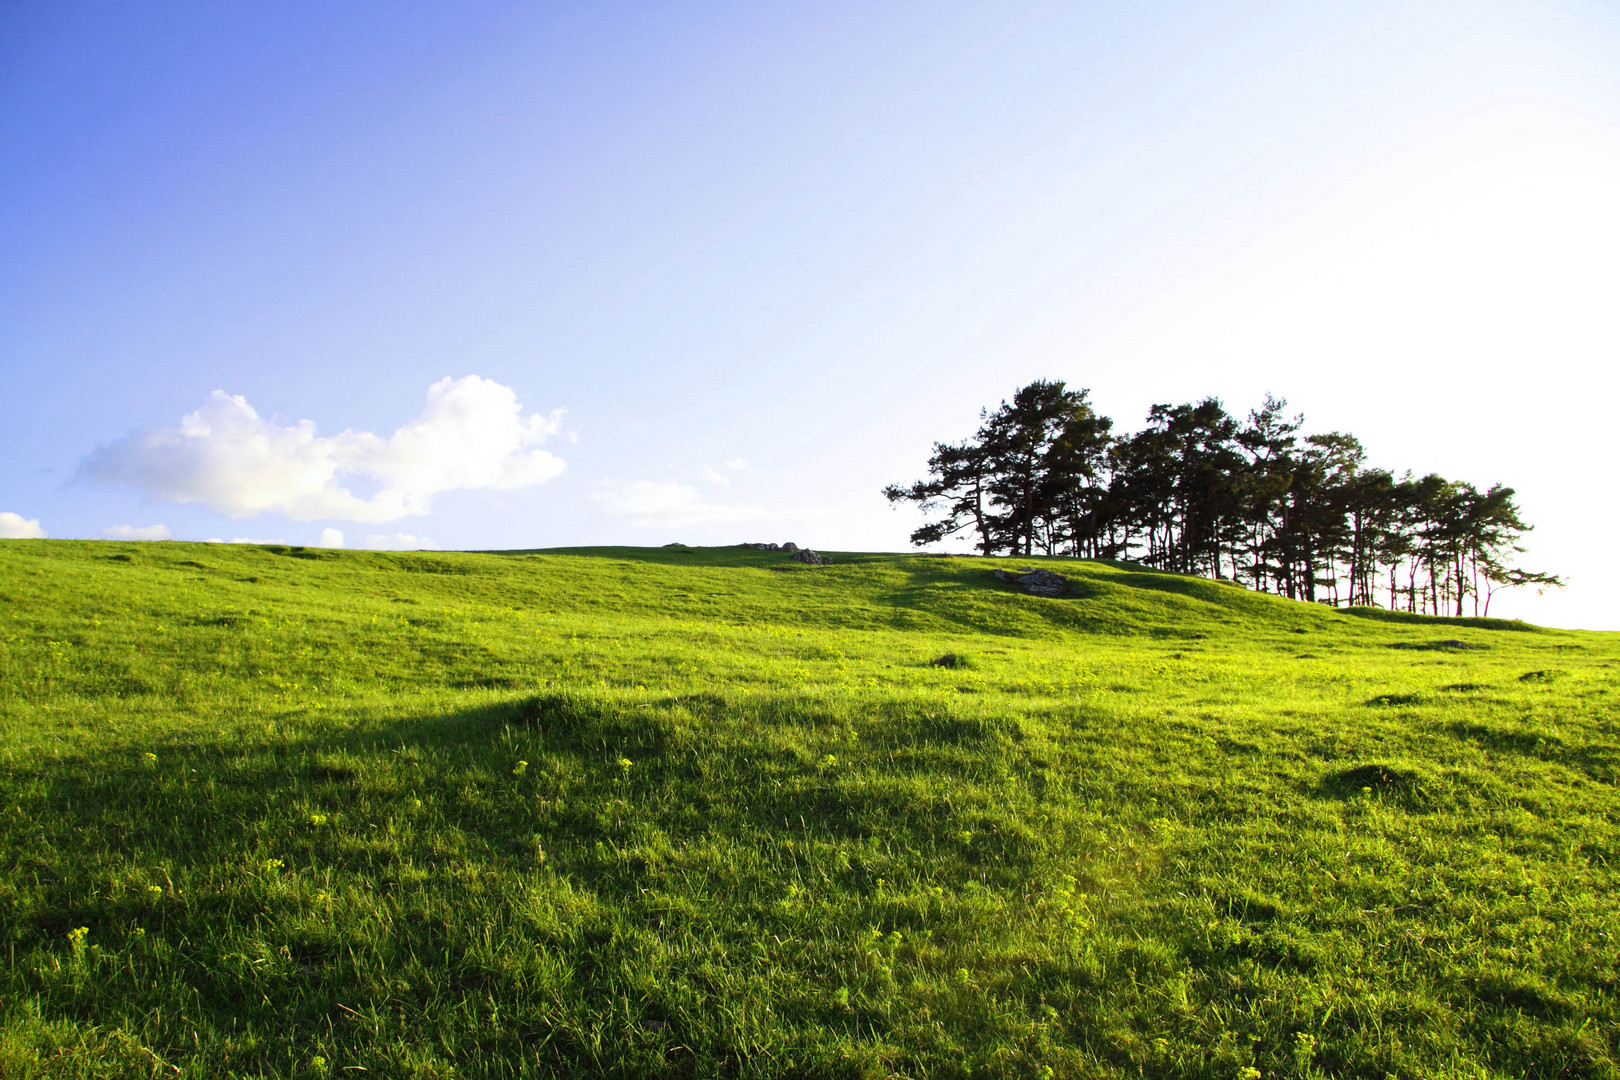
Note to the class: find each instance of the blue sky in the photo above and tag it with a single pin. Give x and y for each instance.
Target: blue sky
(760, 256)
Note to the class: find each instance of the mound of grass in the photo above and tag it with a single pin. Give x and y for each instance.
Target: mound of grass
(1413, 787)
(671, 813)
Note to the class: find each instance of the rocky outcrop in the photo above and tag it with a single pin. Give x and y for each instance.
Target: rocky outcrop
(804, 555)
(1036, 582)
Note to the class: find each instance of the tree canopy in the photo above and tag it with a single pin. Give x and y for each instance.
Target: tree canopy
(1199, 491)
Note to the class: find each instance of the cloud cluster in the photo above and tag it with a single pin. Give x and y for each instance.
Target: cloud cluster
(472, 434)
(399, 542)
(144, 532)
(664, 503)
(333, 538)
(17, 527)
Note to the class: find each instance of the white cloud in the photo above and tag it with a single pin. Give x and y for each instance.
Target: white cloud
(712, 476)
(143, 532)
(331, 538)
(399, 542)
(472, 434)
(17, 527)
(260, 540)
(656, 504)
(736, 464)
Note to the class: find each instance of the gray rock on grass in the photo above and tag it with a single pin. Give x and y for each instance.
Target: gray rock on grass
(1036, 582)
(804, 555)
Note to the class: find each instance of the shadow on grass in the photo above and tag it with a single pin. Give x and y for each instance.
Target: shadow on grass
(556, 848)
(1600, 761)
(1398, 699)
(1516, 992)
(1449, 644)
(1409, 619)
(736, 556)
(963, 594)
(1411, 788)
(1201, 588)
(596, 774)
(924, 590)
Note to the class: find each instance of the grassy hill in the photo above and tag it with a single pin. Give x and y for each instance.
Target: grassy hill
(270, 811)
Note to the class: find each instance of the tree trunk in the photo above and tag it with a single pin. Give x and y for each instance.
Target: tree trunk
(978, 517)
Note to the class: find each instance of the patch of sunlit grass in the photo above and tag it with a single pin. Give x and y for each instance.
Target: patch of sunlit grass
(681, 814)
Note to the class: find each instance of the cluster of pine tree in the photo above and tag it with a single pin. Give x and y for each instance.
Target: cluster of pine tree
(1200, 492)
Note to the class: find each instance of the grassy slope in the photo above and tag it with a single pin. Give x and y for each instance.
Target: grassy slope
(714, 813)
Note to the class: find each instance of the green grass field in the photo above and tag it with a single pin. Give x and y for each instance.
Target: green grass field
(294, 813)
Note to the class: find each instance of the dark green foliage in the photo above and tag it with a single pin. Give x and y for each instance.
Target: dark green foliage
(1197, 492)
